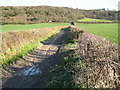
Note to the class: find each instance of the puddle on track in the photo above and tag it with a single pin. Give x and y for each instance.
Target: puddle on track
(34, 70)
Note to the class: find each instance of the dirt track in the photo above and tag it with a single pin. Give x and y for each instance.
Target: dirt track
(32, 70)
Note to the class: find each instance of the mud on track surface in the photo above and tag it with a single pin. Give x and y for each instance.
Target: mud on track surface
(32, 70)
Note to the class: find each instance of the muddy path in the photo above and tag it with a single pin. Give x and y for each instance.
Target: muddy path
(33, 69)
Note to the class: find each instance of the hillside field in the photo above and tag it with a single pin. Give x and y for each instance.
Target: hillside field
(93, 20)
(109, 31)
(7, 28)
(44, 14)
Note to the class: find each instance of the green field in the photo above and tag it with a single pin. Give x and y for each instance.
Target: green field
(7, 28)
(109, 31)
(93, 20)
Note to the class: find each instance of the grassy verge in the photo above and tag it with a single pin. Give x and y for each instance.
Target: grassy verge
(10, 58)
(7, 61)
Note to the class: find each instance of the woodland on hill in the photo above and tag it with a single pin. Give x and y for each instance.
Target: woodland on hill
(43, 14)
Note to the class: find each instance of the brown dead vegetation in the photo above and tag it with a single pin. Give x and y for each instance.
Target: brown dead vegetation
(101, 58)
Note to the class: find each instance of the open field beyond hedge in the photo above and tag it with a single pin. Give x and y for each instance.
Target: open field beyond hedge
(109, 31)
(7, 28)
(93, 20)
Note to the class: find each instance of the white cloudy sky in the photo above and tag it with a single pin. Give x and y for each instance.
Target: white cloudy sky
(81, 4)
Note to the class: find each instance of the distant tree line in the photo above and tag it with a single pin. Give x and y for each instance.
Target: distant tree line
(41, 14)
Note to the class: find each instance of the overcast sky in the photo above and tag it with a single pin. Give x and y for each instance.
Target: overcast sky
(81, 4)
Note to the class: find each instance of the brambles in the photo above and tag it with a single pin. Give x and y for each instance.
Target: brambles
(101, 59)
